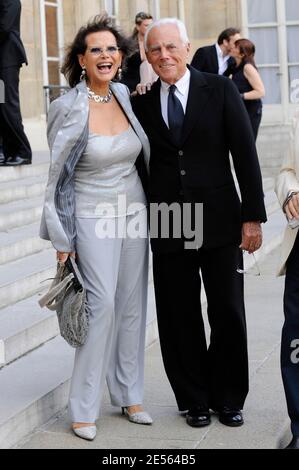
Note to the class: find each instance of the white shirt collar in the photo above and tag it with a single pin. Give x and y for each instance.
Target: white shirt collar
(220, 53)
(182, 84)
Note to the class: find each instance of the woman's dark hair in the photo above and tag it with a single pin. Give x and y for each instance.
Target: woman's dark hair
(247, 49)
(139, 18)
(71, 68)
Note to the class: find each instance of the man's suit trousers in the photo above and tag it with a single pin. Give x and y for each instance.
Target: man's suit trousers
(14, 140)
(211, 376)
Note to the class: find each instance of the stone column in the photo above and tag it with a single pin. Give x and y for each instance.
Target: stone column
(31, 79)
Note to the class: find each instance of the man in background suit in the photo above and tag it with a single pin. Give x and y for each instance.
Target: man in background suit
(193, 120)
(216, 58)
(16, 147)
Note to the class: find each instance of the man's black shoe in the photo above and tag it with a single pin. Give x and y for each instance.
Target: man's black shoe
(198, 416)
(17, 160)
(294, 444)
(230, 416)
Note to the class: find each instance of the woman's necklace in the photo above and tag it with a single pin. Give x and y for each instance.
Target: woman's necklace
(98, 98)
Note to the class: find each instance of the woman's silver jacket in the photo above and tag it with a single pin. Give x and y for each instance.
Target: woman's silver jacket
(68, 129)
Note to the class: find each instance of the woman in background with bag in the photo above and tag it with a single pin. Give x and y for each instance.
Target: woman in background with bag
(95, 140)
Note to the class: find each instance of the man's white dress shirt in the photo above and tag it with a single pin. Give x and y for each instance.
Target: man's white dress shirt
(181, 93)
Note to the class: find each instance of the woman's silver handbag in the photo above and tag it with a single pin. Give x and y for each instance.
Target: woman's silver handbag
(67, 296)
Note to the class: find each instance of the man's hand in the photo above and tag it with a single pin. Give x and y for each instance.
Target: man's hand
(252, 236)
(292, 207)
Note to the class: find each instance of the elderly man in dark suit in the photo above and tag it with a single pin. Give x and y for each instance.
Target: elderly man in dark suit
(16, 147)
(216, 58)
(193, 121)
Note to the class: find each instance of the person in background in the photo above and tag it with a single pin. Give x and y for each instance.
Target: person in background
(217, 58)
(287, 190)
(248, 81)
(137, 69)
(16, 148)
(95, 141)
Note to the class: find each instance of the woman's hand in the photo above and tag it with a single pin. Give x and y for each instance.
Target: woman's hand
(292, 208)
(142, 88)
(62, 257)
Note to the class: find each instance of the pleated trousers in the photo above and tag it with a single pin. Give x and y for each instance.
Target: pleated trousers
(115, 273)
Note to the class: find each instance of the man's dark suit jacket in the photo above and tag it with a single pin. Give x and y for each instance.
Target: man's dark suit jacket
(216, 123)
(205, 59)
(12, 52)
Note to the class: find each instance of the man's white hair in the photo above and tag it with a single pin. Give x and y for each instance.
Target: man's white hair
(178, 23)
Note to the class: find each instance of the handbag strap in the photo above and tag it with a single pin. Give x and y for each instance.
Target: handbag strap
(48, 299)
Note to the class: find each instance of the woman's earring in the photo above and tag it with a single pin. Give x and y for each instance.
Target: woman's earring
(83, 74)
(119, 74)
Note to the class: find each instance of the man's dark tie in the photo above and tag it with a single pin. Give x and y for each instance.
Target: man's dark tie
(175, 115)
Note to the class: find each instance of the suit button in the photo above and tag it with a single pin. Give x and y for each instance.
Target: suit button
(183, 172)
(181, 153)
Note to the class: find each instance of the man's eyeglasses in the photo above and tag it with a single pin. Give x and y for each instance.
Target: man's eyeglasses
(252, 267)
(95, 51)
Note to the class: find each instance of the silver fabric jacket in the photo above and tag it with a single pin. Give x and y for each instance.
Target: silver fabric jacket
(68, 129)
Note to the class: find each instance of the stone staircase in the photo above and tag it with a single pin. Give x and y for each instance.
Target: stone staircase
(35, 362)
(272, 144)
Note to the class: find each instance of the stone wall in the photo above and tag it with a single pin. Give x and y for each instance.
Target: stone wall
(204, 19)
(31, 77)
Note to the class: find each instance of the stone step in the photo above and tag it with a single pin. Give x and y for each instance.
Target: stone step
(25, 277)
(272, 144)
(271, 202)
(14, 214)
(20, 242)
(25, 326)
(268, 183)
(24, 171)
(23, 189)
(33, 389)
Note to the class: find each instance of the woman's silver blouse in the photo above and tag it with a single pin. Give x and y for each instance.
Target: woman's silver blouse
(106, 180)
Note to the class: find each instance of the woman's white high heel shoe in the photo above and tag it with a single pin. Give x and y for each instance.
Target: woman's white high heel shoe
(140, 417)
(86, 432)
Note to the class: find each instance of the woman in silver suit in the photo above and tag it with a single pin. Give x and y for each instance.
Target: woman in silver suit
(94, 202)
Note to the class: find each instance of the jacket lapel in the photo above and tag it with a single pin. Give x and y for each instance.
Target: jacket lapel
(72, 126)
(123, 98)
(156, 116)
(199, 95)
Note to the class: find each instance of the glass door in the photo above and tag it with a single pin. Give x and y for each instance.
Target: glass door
(292, 34)
(52, 41)
(111, 7)
(273, 25)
